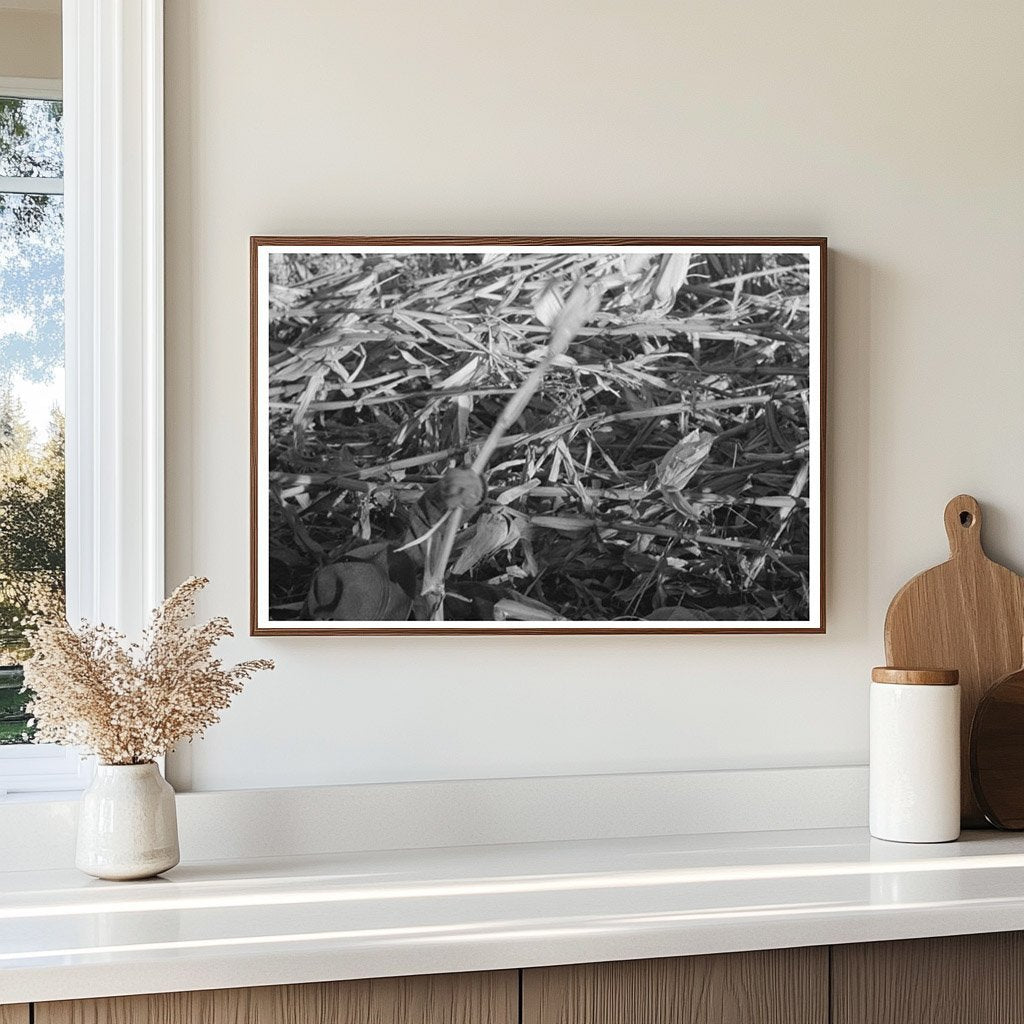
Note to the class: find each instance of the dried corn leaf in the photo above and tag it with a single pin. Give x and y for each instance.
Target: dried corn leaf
(679, 465)
(524, 609)
(671, 277)
(492, 532)
(577, 310)
(547, 304)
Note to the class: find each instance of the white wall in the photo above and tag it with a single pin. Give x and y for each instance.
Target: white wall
(895, 129)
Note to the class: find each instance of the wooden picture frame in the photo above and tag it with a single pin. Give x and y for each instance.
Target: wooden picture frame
(364, 493)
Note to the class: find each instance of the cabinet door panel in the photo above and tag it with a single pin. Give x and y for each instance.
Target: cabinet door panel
(14, 1014)
(961, 979)
(490, 998)
(779, 986)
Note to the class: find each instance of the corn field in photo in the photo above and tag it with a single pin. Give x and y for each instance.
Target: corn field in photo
(543, 436)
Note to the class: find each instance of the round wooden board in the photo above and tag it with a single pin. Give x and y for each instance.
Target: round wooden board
(997, 752)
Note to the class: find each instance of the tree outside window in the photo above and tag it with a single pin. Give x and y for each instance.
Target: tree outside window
(32, 533)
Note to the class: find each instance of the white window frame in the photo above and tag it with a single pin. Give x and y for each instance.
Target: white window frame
(113, 221)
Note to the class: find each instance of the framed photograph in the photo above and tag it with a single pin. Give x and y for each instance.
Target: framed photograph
(537, 435)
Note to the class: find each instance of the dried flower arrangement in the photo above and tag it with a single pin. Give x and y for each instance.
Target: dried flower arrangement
(129, 703)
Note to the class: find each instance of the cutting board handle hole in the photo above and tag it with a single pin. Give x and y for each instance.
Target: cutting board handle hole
(962, 517)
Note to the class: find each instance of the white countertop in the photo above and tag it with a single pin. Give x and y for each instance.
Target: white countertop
(352, 915)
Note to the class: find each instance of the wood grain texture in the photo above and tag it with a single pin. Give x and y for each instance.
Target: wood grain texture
(483, 998)
(915, 676)
(967, 614)
(778, 986)
(14, 1014)
(962, 979)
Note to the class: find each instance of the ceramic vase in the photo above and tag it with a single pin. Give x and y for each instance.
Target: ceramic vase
(127, 825)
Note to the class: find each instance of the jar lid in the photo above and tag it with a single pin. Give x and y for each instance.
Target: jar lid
(916, 676)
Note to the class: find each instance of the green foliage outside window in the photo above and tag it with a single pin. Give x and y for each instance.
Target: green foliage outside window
(31, 355)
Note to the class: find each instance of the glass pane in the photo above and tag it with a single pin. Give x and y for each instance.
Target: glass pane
(31, 432)
(31, 138)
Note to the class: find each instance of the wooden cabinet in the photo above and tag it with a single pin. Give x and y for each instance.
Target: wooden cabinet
(778, 986)
(971, 979)
(963, 979)
(491, 998)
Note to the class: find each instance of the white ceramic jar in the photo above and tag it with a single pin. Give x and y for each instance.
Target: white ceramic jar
(127, 823)
(915, 755)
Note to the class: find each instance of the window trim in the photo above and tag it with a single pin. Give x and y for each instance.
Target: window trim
(42, 768)
(31, 88)
(112, 91)
(31, 186)
(113, 169)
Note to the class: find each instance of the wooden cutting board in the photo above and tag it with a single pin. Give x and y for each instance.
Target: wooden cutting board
(967, 614)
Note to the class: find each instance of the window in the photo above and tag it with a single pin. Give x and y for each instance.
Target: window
(32, 531)
(31, 382)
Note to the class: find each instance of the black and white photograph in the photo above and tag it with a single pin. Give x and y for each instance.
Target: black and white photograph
(537, 435)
